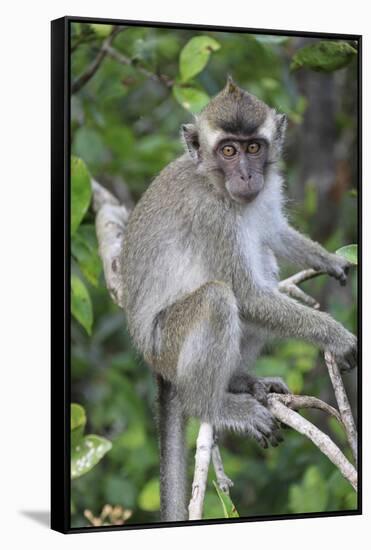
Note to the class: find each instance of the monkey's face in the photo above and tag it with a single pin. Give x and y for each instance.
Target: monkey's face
(234, 140)
(242, 162)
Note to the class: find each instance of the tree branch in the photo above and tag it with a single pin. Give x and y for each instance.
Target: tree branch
(95, 64)
(289, 286)
(202, 461)
(343, 403)
(110, 222)
(296, 402)
(124, 60)
(321, 440)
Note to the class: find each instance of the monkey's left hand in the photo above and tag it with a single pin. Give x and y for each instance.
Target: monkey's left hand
(337, 267)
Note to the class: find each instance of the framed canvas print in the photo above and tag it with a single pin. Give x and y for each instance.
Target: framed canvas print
(205, 288)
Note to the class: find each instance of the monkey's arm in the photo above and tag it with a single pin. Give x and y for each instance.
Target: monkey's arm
(285, 317)
(302, 251)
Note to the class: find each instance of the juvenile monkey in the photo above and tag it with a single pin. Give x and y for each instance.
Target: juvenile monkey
(200, 277)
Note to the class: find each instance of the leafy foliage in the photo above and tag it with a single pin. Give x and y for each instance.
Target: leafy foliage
(80, 192)
(349, 252)
(229, 509)
(191, 98)
(326, 56)
(84, 250)
(125, 127)
(81, 306)
(195, 55)
(88, 450)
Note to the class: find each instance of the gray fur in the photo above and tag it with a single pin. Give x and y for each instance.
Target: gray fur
(200, 281)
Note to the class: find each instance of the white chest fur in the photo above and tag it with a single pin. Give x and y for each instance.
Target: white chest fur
(254, 248)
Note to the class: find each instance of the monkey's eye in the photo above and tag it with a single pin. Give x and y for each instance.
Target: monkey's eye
(229, 151)
(253, 148)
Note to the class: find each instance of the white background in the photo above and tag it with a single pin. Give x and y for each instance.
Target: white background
(25, 286)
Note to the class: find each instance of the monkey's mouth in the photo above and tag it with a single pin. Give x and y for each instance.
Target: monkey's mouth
(244, 191)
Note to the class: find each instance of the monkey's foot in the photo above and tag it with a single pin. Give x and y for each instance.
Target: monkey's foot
(264, 427)
(257, 386)
(225, 483)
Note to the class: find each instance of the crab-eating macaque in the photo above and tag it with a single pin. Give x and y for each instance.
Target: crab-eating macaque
(201, 280)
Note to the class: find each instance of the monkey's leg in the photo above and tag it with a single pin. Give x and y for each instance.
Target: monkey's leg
(203, 329)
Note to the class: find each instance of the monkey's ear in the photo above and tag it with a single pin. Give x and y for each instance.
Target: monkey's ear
(189, 135)
(281, 125)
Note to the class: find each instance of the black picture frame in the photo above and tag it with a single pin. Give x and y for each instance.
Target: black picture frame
(60, 270)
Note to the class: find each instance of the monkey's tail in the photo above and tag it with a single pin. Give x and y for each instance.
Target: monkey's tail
(173, 459)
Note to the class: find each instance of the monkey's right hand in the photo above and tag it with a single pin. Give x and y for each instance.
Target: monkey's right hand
(338, 267)
(344, 349)
(263, 427)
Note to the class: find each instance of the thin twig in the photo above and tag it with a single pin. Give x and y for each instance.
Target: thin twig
(302, 276)
(343, 403)
(222, 479)
(289, 286)
(321, 440)
(124, 60)
(202, 462)
(296, 402)
(95, 64)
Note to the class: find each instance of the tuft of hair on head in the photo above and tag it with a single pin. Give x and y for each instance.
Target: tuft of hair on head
(231, 87)
(234, 110)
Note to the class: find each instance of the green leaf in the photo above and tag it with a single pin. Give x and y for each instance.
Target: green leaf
(78, 416)
(80, 192)
(87, 453)
(192, 99)
(78, 421)
(149, 497)
(101, 30)
(349, 252)
(325, 56)
(81, 306)
(229, 509)
(195, 55)
(311, 494)
(84, 248)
